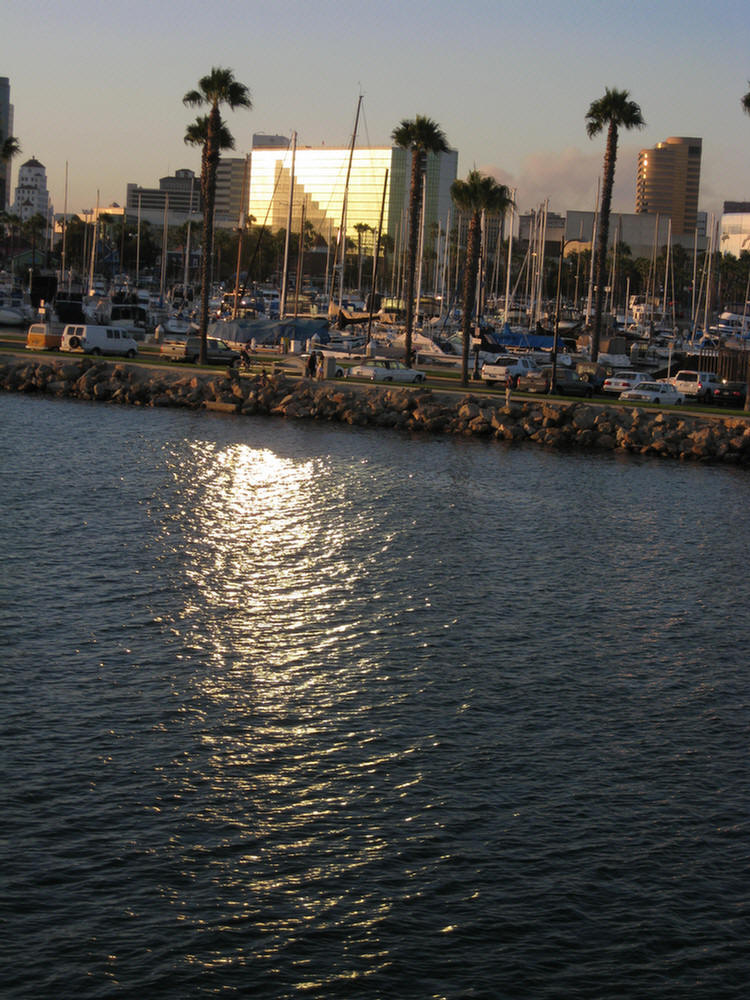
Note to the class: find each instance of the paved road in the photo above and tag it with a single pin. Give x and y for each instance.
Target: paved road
(13, 342)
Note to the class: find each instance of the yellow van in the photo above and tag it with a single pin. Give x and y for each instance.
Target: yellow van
(44, 337)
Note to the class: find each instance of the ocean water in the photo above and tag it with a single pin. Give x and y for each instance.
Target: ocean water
(292, 710)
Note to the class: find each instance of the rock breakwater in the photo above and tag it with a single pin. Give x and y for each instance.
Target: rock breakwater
(554, 424)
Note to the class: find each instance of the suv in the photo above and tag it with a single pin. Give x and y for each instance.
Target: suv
(189, 349)
(695, 385)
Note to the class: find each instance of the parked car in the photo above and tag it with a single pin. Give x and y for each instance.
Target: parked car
(730, 394)
(189, 349)
(506, 367)
(567, 382)
(695, 384)
(570, 383)
(386, 370)
(622, 380)
(591, 371)
(86, 338)
(536, 380)
(654, 392)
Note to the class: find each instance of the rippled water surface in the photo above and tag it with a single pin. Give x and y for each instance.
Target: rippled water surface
(298, 711)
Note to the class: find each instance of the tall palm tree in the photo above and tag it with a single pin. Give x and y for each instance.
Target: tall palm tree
(11, 147)
(420, 136)
(218, 88)
(613, 111)
(476, 195)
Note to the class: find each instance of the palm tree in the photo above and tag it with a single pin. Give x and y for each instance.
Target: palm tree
(11, 147)
(420, 136)
(613, 111)
(361, 228)
(211, 134)
(477, 195)
(746, 102)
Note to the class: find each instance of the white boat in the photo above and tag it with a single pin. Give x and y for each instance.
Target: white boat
(11, 316)
(732, 324)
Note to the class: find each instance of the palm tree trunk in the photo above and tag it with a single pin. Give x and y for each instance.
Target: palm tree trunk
(415, 198)
(209, 199)
(469, 296)
(610, 157)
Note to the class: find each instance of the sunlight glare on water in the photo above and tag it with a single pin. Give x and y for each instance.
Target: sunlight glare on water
(306, 711)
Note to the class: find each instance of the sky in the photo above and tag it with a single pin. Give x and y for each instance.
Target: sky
(99, 87)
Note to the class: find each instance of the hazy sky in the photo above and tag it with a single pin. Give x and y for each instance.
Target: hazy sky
(100, 86)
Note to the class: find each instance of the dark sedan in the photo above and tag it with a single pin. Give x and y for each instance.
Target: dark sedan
(731, 394)
(570, 383)
(567, 382)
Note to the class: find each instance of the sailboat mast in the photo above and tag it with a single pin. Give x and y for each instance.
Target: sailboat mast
(375, 258)
(93, 245)
(510, 251)
(282, 297)
(186, 275)
(420, 252)
(65, 228)
(342, 227)
(165, 233)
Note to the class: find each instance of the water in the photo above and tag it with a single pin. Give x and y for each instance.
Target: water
(299, 711)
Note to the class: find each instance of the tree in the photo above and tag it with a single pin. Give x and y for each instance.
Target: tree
(361, 228)
(420, 136)
(477, 195)
(209, 132)
(746, 102)
(11, 147)
(33, 227)
(613, 111)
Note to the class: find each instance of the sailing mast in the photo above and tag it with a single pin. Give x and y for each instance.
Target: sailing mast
(593, 254)
(341, 238)
(376, 255)
(282, 298)
(510, 251)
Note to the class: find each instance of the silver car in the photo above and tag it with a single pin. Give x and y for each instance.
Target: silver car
(386, 370)
(654, 392)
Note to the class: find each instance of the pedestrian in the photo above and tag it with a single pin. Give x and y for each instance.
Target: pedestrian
(311, 362)
(508, 387)
(320, 369)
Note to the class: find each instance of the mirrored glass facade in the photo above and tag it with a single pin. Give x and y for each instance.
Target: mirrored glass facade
(320, 182)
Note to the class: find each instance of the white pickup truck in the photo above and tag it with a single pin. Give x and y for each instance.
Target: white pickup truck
(507, 366)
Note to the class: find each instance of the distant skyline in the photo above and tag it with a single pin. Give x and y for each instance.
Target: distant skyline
(101, 87)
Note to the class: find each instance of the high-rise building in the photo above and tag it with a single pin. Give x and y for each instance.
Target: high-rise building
(668, 181)
(320, 183)
(735, 227)
(180, 194)
(6, 129)
(32, 196)
(231, 182)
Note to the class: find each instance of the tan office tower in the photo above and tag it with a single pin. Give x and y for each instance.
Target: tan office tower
(668, 181)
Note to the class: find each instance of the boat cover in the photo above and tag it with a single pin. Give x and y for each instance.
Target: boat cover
(271, 331)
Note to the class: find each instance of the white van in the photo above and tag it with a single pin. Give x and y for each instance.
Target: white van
(89, 339)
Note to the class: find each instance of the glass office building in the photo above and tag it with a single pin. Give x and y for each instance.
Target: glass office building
(320, 182)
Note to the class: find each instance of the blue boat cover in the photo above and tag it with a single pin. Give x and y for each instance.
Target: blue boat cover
(271, 331)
